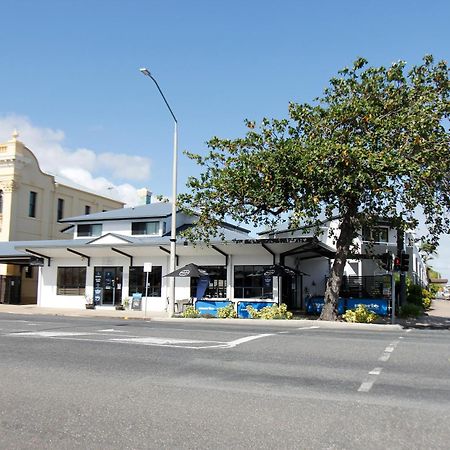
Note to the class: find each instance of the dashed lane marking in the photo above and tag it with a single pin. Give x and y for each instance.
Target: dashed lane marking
(366, 386)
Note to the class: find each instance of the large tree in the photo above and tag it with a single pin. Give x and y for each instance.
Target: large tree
(375, 144)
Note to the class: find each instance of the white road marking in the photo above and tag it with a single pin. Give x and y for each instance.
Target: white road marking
(384, 357)
(366, 386)
(376, 371)
(51, 333)
(389, 349)
(111, 330)
(309, 328)
(154, 341)
(237, 342)
(159, 341)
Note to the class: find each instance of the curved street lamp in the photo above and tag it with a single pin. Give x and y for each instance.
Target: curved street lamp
(173, 226)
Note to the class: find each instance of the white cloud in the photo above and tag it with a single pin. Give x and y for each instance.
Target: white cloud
(79, 165)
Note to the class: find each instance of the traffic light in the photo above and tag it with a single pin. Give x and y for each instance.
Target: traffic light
(404, 263)
(386, 261)
(397, 263)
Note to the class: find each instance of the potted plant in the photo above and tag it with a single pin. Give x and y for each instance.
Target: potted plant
(123, 305)
(89, 302)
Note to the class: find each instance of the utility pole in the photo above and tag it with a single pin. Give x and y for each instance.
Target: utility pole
(400, 250)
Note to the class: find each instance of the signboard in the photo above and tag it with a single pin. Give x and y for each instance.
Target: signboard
(242, 308)
(202, 285)
(148, 266)
(210, 307)
(136, 302)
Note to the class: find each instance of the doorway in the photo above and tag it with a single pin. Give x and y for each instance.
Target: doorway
(108, 285)
(291, 287)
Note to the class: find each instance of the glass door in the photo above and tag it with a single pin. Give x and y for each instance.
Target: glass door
(108, 286)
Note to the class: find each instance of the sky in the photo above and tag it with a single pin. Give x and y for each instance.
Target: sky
(70, 80)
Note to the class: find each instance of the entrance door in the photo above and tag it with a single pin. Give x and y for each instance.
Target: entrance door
(108, 286)
(290, 291)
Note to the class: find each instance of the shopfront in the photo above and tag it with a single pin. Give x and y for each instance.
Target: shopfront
(108, 285)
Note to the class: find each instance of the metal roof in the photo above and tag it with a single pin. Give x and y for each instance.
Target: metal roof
(150, 211)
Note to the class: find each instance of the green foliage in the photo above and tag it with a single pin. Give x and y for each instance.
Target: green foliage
(374, 145)
(190, 313)
(414, 294)
(270, 312)
(427, 298)
(359, 315)
(410, 310)
(227, 312)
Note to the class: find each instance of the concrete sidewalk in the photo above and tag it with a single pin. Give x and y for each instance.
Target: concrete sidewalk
(98, 312)
(438, 317)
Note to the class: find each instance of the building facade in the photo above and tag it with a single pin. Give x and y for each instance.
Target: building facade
(31, 205)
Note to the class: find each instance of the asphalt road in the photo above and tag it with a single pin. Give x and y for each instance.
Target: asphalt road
(75, 383)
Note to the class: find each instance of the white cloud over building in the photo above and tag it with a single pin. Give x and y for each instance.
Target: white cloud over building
(79, 165)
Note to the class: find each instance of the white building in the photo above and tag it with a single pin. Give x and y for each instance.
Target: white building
(105, 259)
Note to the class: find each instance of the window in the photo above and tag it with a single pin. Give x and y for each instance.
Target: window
(249, 282)
(32, 204)
(71, 281)
(89, 230)
(217, 282)
(87, 209)
(28, 271)
(376, 234)
(60, 211)
(137, 281)
(145, 228)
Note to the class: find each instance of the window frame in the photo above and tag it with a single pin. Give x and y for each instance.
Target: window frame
(136, 228)
(252, 286)
(218, 282)
(89, 229)
(137, 278)
(71, 280)
(32, 204)
(60, 209)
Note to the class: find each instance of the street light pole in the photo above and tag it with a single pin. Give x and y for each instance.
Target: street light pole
(173, 226)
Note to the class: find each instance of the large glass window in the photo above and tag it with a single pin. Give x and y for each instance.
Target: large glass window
(32, 204)
(89, 230)
(145, 228)
(217, 282)
(376, 234)
(250, 282)
(71, 281)
(137, 281)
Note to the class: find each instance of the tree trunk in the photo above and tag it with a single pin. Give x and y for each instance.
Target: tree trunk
(347, 231)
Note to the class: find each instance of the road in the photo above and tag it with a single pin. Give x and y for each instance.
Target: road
(76, 383)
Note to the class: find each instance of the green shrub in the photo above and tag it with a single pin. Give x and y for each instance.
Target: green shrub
(227, 312)
(427, 298)
(270, 312)
(190, 312)
(359, 315)
(414, 295)
(410, 310)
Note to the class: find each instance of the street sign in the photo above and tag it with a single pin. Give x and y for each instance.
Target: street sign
(148, 266)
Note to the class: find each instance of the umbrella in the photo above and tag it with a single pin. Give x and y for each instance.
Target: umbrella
(278, 270)
(188, 271)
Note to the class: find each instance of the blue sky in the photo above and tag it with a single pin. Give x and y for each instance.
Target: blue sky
(70, 80)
